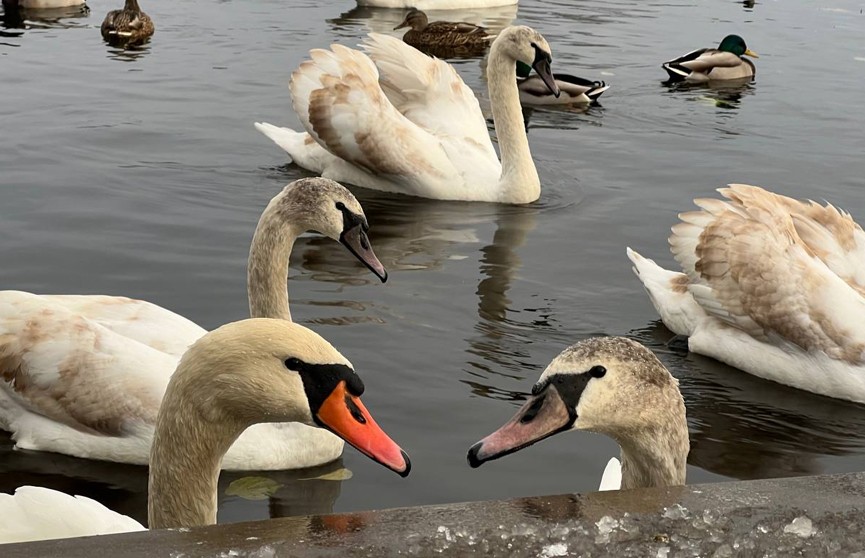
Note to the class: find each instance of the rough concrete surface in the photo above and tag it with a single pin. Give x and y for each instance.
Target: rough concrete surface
(806, 516)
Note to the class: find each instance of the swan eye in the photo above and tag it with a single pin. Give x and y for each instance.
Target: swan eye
(597, 371)
(340, 206)
(293, 364)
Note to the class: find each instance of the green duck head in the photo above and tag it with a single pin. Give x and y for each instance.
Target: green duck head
(523, 70)
(736, 45)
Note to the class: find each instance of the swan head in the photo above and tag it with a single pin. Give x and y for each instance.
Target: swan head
(609, 385)
(524, 44)
(327, 207)
(269, 370)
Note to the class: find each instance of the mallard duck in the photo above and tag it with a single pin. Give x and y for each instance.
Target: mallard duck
(436, 4)
(574, 90)
(771, 285)
(441, 33)
(128, 26)
(613, 386)
(713, 64)
(400, 121)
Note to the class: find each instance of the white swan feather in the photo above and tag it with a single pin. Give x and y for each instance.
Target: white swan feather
(36, 513)
(612, 477)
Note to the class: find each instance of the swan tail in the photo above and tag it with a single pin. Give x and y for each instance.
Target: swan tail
(36, 513)
(612, 477)
(669, 293)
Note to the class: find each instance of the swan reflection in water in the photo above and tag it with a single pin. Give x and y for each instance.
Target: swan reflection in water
(243, 495)
(745, 427)
(16, 17)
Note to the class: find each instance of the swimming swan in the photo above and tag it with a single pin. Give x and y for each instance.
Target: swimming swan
(613, 386)
(243, 373)
(84, 375)
(400, 121)
(771, 285)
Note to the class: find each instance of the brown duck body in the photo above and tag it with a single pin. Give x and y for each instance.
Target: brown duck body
(442, 33)
(128, 26)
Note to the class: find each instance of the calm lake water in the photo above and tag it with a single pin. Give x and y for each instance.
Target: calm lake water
(139, 173)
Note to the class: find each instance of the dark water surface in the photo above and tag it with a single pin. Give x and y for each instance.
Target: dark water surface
(139, 173)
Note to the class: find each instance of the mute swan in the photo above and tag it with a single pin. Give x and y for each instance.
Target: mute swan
(84, 375)
(243, 373)
(613, 386)
(441, 33)
(400, 121)
(436, 4)
(713, 64)
(574, 90)
(772, 286)
(128, 26)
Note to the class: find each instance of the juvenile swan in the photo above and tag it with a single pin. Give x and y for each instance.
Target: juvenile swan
(84, 375)
(247, 372)
(609, 385)
(400, 121)
(771, 285)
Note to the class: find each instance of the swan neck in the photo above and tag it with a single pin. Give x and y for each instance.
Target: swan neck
(519, 180)
(655, 456)
(185, 460)
(267, 269)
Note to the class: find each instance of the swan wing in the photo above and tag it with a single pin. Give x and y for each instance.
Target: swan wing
(429, 92)
(35, 513)
(829, 233)
(338, 99)
(748, 267)
(143, 321)
(612, 477)
(60, 366)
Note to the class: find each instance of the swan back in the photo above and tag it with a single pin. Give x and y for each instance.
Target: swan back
(777, 268)
(35, 513)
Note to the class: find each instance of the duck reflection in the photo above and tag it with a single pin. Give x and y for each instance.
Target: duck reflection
(382, 20)
(123, 488)
(565, 117)
(748, 428)
(726, 94)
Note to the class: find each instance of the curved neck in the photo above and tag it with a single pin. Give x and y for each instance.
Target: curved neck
(185, 460)
(267, 269)
(519, 182)
(657, 456)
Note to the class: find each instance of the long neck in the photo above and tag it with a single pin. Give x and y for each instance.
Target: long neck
(267, 270)
(656, 457)
(519, 181)
(185, 460)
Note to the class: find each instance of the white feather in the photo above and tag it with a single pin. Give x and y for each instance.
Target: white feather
(612, 477)
(35, 513)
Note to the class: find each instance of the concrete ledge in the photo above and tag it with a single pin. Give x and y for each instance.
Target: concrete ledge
(807, 516)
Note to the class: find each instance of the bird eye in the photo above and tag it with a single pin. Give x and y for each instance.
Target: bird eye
(597, 371)
(293, 364)
(340, 206)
